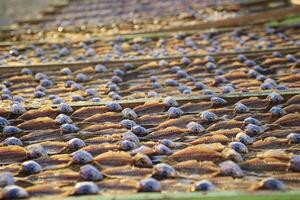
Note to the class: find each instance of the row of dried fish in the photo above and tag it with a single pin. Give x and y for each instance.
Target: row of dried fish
(206, 76)
(211, 142)
(128, 16)
(177, 45)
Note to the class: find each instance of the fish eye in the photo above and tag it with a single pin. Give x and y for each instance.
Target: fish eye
(63, 119)
(116, 79)
(228, 89)
(100, 68)
(127, 145)
(96, 99)
(76, 143)
(128, 66)
(58, 100)
(82, 77)
(238, 147)
(150, 185)
(66, 71)
(139, 130)
(169, 143)
(83, 188)
(18, 109)
(90, 173)
(69, 128)
(127, 123)
(65, 108)
(230, 168)
(15, 192)
(244, 138)
(200, 86)
(113, 106)
(273, 184)
(36, 150)
(153, 78)
(294, 137)
(26, 71)
(241, 108)
(252, 120)
(208, 116)
(46, 83)
(204, 185)
(195, 127)
(211, 66)
(162, 149)
(175, 112)
(181, 73)
(218, 101)
(13, 141)
(82, 157)
(39, 76)
(31, 167)
(170, 101)
(295, 163)
(4, 122)
(277, 111)
(91, 92)
(266, 86)
(275, 97)
(119, 72)
(131, 137)
(11, 130)
(171, 82)
(129, 113)
(163, 170)
(6, 178)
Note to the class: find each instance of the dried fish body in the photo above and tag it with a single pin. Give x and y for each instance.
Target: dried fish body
(105, 117)
(127, 172)
(199, 153)
(43, 112)
(264, 165)
(170, 133)
(110, 158)
(41, 123)
(12, 154)
(86, 112)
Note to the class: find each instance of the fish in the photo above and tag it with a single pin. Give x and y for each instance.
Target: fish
(199, 153)
(119, 185)
(151, 119)
(255, 103)
(270, 143)
(89, 111)
(97, 149)
(127, 172)
(170, 133)
(102, 126)
(196, 168)
(114, 159)
(293, 100)
(105, 117)
(225, 125)
(149, 108)
(42, 112)
(103, 139)
(41, 123)
(12, 154)
(211, 139)
(228, 132)
(264, 165)
(195, 107)
(180, 122)
(289, 120)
